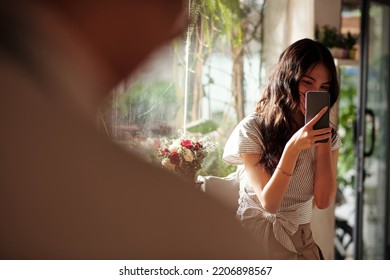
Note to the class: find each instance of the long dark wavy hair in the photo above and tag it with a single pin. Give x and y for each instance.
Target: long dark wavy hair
(279, 105)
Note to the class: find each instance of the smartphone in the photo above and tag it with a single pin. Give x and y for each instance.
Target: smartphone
(315, 101)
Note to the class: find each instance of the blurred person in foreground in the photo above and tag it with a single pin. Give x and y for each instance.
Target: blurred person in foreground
(66, 191)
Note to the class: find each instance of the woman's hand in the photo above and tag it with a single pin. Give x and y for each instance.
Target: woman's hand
(307, 137)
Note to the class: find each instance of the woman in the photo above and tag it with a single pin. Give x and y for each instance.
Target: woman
(283, 168)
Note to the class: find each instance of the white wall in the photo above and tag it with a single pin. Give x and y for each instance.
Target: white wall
(287, 21)
(327, 12)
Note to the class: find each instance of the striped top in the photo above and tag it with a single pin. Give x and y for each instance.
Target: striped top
(296, 207)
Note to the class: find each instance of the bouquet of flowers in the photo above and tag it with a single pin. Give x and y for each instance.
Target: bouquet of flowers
(184, 155)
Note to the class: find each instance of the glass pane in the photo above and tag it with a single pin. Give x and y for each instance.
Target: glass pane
(202, 83)
(376, 165)
(346, 199)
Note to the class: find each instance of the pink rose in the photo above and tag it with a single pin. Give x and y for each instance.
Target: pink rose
(187, 144)
(174, 158)
(198, 146)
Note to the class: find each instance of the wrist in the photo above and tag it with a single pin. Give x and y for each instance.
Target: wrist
(288, 159)
(288, 174)
(291, 149)
(324, 148)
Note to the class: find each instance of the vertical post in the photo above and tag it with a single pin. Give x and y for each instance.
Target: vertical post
(358, 238)
(187, 51)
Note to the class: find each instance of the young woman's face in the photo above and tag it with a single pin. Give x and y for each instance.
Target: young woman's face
(318, 79)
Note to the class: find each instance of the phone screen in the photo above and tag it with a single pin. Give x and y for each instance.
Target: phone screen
(315, 101)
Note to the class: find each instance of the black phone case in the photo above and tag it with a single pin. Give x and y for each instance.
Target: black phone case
(315, 101)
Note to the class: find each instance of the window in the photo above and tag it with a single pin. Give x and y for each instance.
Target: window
(202, 83)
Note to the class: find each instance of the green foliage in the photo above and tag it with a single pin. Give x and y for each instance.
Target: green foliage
(331, 37)
(204, 127)
(152, 102)
(225, 17)
(347, 114)
(350, 40)
(214, 165)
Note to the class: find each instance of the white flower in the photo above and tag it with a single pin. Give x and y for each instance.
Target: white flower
(167, 164)
(188, 155)
(174, 147)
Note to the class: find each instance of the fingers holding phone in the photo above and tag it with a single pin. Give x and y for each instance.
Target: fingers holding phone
(317, 113)
(312, 122)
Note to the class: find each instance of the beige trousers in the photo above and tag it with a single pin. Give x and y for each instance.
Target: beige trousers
(261, 231)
